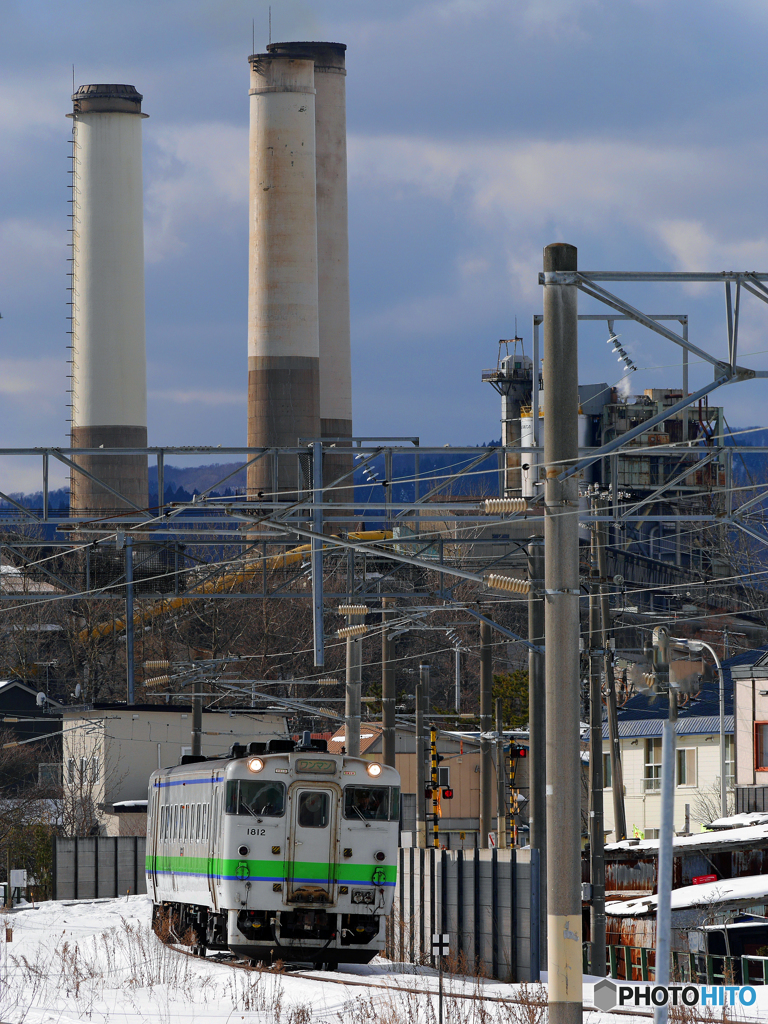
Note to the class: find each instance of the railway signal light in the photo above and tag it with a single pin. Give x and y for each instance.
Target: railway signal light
(448, 794)
(518, 751)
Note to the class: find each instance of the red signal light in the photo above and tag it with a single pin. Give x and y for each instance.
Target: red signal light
(448, 794)
(428, 794)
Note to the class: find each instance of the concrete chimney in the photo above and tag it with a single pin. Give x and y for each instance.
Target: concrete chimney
(332, 243)
(283, 342)
(109, 373)
(109, 377)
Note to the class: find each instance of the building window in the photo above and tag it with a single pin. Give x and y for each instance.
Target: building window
(607, 774)
(730, 762)
(761, 746)
(71, 771)
(95, 769)
(686, 767)
(652, 780)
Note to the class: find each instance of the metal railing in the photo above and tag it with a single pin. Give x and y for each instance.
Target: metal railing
(638, 963)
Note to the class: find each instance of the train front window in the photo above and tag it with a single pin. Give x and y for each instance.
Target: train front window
(256, 799)
(369, 803)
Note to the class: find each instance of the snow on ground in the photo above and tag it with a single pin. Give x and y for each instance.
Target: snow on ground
(99, 961)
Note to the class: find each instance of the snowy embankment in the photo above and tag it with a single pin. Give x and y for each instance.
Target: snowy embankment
(100, 962)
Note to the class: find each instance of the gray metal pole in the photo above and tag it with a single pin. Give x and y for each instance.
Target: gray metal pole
(457, 678)
(561, 613)
(596, 825)
(388, 695)
(501, 786)
(486, 756)
(666, 855)
(537, 727)
(422, 689)
(352, 695)
(197, 717)
(617, 773)
(317, 553)
(129, 662)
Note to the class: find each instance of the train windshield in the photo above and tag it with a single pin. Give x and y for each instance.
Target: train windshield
(372, 803)
(257, 799)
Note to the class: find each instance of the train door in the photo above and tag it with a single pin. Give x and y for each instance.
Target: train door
(311, 867)
(157, 818)
(213, 846)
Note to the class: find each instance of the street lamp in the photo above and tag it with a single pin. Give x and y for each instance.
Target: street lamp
(695, 647)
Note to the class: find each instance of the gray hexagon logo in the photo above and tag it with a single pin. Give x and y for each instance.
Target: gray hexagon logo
(605, 995)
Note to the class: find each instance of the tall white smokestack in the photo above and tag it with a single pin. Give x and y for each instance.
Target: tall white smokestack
(283, 343)
(332, 241)
(109, 374)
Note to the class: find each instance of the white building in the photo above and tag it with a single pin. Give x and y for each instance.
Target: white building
(110, 750)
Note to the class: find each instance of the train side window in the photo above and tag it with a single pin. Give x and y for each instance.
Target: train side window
(394, 806)
(369, 803)
(161, 824)
(204, 824)
(198, 813)
(175, 835)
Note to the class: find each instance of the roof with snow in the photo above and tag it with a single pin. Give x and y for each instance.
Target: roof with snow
(750, 836)
(725, 893)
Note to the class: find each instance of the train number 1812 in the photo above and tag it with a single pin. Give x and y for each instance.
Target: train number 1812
(256, 831)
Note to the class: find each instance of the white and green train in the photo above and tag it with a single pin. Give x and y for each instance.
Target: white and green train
(280, 851)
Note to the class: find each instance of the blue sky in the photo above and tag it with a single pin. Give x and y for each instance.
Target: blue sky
(479, 131)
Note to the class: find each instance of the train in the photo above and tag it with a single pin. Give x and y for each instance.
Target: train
(278, 851)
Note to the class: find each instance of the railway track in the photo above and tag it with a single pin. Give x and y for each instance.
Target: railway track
(230, 960)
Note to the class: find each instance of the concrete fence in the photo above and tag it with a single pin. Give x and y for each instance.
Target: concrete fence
(481, 898)
(98, 866)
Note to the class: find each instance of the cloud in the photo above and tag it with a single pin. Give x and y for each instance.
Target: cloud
(196, 174)
(42, 378)
(199, 397)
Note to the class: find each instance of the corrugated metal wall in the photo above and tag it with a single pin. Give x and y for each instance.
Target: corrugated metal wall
(99, 866)
(481, 898)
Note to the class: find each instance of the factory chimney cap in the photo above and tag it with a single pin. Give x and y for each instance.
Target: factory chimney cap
(327, 56)
(107, 99)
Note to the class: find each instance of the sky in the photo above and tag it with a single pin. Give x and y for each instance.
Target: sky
(479, 131)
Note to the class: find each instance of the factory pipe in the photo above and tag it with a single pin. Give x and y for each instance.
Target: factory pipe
(283, 341)
(109, 373)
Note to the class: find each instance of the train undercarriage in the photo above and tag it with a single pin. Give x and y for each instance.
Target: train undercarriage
(301, 935)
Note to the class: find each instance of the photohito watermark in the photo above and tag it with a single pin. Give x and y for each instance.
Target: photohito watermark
(609, 994)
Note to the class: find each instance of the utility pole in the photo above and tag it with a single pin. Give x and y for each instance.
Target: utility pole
(561, 575)
(422, 689)
(434, 779)
(388, 695)
(501, 784)
(486, 758)
(596, 824)
(197, 717)
(129, 620)
(355, 614)
(617, 773)
(537, 719)
(667, 830)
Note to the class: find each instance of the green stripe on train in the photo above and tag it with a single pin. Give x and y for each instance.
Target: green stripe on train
(271, 869)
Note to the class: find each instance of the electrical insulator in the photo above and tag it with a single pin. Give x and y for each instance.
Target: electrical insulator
(351, 630)
(157, 681)
(327, 682)
(508, 583)
(353, 609)
(495, 506)
(156, 665)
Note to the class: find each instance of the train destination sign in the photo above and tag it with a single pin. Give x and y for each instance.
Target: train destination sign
(319, 766)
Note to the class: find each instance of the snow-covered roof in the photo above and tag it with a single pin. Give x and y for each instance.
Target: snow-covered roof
(731, 892)
(129, 805)
(740, 820)
(747, 836)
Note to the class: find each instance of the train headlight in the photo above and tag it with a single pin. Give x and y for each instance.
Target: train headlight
(255, 764)
(374, 770)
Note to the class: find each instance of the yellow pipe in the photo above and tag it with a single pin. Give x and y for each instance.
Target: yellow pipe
(217, 585)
